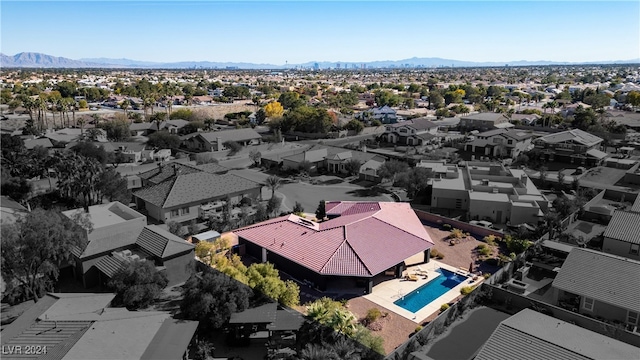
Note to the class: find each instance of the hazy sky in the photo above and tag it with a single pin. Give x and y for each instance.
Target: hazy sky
(276, 32)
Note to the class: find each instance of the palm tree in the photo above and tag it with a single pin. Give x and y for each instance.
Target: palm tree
(273, 182)
(125, 105)
(317, 352)
(343, 321)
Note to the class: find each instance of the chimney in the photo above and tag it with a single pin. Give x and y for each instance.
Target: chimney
(364, 148)
(218, 144)
(523, 179)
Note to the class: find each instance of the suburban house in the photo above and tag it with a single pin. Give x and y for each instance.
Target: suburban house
(277, 324)
(214, 141)
(486, 191)
(143, 129)
(501, 143)
(131, 152)
(335, 160)
(533, 335)
(369, 170)
(180, 197)
(384, 114)
(622, 236)
(121, 235)
(85, 326)
(482, 121)
(62, 137)
(572, 146)
(593, 280)
(30, 144)
(362, 243)
(411, 132)
(164, 171)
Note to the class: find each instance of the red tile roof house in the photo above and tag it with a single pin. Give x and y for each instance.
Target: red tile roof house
(121, 235)
(85, 326)
(361, 243)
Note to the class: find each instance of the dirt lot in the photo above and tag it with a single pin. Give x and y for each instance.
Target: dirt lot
(459, 255)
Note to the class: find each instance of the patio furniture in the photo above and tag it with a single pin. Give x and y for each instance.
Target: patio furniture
(411, 277)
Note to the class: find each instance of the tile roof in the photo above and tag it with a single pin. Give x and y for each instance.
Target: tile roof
(171, 340)
(161, 243)
(231, 135)
(109, 265)
(56, 336)
(194, 187)
(624, 226)
(418, 124)
(636, 205)
(530, 335)
(576, 135)
(364, 239)
(485, 116)
(168, 171)
(607, 278)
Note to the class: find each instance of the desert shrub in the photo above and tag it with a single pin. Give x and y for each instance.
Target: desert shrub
(440, 256)
(444, 307)
(418, 328)
(486, 275)
(456, 234)
(446, 226)
(483, 249)
(466, 290)
(373, 314)
(490, 239)
(434, 253)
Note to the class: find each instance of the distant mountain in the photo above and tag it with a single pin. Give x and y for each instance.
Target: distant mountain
(38, 60)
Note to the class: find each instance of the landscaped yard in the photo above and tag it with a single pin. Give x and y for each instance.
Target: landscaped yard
(463, 253)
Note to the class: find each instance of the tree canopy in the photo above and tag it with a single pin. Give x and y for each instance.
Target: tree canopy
(163, 140)
(137, 284)
(213, 297)
(35, 247)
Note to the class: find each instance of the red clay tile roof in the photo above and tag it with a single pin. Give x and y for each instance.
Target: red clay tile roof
(365, 238)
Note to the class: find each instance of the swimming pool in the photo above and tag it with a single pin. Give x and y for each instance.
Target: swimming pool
(425, 294)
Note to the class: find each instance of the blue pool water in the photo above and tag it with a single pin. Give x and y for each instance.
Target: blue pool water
(422, 296)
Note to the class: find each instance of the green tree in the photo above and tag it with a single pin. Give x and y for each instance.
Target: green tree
(390, 169)
(255, 156)
(273, 183)
(633, 98)
(387, 98)
(353, 166)
(184, 114)
(291, 100)
(273, 205)
(117, 129)
(163, 140)
(265, 279)
(354, 125)
(298, 209)
(212, 298)
(137, 284)
(321, 211)
(35, 247)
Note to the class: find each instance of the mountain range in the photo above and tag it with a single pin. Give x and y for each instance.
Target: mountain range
(39, 60)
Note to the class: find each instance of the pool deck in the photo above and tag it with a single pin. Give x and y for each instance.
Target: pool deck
(386, 293)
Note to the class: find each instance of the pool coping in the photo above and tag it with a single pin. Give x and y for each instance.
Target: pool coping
(384, 294)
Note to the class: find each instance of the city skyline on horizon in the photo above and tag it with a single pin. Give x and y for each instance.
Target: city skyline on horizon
(325, 31)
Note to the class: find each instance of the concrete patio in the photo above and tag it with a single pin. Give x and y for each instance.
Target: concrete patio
(384, 294)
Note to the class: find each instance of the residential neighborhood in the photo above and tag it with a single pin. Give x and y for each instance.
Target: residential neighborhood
(254, 214)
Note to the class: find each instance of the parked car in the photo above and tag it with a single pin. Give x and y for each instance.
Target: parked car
(483, 223)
